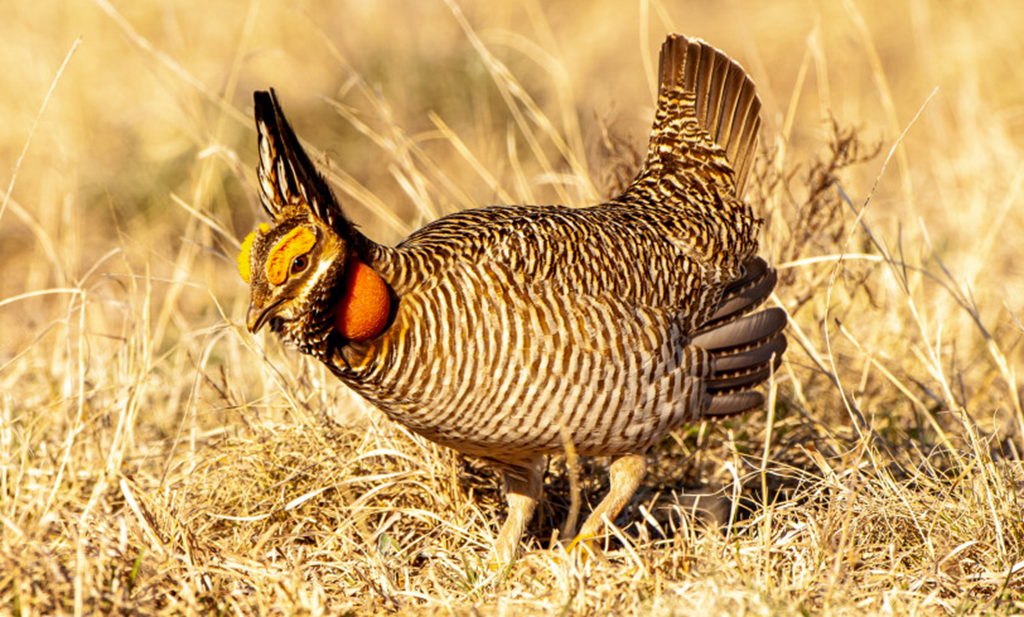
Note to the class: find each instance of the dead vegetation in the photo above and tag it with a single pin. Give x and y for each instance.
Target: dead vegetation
(154, 458)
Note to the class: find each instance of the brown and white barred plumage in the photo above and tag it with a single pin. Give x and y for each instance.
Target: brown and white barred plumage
(617, 322)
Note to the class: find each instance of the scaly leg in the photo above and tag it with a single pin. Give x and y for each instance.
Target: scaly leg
(626, 473)
(523, 487)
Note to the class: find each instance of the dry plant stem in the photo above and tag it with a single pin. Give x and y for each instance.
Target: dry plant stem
(515, 96)
(35, 124)
(572, 465)
(864, 429)
(886, 97)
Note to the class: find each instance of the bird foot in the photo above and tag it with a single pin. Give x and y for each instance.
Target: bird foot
(580, 541)
(585, 547)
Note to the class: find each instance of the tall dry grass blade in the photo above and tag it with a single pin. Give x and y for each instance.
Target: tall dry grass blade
(887, 100)
(527, 115)
(863, 428)
(168, 62)
(35, 124)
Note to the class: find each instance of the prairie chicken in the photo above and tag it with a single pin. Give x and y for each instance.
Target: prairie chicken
(495, 331)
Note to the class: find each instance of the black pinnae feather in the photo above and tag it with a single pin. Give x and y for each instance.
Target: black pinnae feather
(287, 175)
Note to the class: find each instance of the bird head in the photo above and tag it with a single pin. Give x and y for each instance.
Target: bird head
(303, 270)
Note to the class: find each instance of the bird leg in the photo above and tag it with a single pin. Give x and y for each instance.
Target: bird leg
(523, 486)
(626, 473)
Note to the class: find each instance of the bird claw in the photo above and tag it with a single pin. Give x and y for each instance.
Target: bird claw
(581, 540)
(585, 547)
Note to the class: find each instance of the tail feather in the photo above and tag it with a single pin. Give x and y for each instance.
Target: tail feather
(750, 376)
(725, 100)
(744, 333)
(744, 353)
(735, 375)
(745, 347)
(745, 294)
(733, 404)
(741, 363)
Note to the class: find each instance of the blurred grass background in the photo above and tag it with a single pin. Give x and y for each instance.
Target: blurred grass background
(119, 300)
(163, 108)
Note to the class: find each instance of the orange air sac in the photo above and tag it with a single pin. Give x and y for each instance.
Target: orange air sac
(365, 303)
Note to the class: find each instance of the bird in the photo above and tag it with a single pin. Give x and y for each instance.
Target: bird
(505, 332)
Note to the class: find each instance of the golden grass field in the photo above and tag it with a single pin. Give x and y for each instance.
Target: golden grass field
(157, 459)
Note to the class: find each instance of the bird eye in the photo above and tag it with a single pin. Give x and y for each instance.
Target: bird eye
(299, 264)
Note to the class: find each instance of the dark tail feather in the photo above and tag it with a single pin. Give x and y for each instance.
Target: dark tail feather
(742, 334)
(733, 404)
(751, 350)
(745, 347)
(757, 367)
(744, 294)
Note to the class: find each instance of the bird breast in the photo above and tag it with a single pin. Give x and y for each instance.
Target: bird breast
(487, 358)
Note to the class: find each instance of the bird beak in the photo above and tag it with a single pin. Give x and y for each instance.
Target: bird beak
(257, 317)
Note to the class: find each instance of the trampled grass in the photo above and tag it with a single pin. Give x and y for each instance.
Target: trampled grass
(155, 458)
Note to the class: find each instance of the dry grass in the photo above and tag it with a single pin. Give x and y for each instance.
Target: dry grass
(154, 458)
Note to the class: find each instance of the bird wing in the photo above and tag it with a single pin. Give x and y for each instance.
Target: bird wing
(627, 255)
